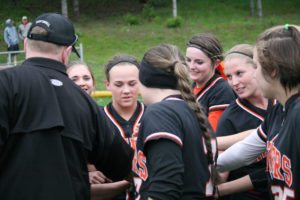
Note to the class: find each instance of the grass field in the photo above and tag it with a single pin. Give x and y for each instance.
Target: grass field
(229, 20)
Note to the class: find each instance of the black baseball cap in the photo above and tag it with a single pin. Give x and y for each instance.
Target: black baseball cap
(60, 30)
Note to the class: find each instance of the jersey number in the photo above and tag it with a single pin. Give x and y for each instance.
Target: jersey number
(138, 184)
(282, 194)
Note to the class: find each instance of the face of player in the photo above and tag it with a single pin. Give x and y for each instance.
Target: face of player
(200, 66)
(82, 77)
(265, 86)
(124, 84)
(240, 76)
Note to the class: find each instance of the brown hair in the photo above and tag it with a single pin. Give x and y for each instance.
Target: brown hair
(41, 46)
(278, 50)
(170, 58)
(116, 60)
(209, 44)
(74, 63)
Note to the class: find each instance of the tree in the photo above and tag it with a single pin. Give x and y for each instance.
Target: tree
(64, 8)
(174, 8)
(76, 8)
(259, 8)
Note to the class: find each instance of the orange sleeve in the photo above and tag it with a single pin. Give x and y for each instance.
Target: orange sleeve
(213, 118)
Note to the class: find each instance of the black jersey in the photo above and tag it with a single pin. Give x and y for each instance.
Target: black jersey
(216, 94)
(49, 130)
(280, 131)
(126, 129)
(173, 120)
(240, 116)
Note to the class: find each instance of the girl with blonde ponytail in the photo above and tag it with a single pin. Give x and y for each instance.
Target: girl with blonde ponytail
(175, 149)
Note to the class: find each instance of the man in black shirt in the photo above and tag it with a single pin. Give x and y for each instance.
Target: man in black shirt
(50, 128)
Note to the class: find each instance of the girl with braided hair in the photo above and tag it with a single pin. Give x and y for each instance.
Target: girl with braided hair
(175, 156)
(204, 58)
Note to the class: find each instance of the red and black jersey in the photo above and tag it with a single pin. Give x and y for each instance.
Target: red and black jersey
(125, 129)
(280, 131)
(216, 94)
(172, 121)
(240, 116)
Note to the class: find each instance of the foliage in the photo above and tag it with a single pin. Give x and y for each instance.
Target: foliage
(174, 22)
(148, 12)
(103, 31)
(131, 19)
(159, 3)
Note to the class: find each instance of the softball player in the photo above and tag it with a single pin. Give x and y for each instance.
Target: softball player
(175, 149)
(250, 108)
(124, 112)
(277, 58)
(204, 56)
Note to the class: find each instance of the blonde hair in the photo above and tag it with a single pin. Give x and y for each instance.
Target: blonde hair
(169, 58)
(241, 51)
(278, 50)
(42, 46)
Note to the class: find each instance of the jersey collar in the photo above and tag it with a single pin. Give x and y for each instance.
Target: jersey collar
(46, 63)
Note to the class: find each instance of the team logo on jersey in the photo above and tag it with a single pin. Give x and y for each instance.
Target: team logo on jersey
(279, 165)
(139, 165)
(56, 82)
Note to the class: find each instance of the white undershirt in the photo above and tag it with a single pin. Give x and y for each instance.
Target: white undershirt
(242, 153)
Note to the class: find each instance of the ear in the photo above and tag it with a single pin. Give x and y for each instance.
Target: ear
(217, 62)
(274, 73)
(107, 84)
(66, 55)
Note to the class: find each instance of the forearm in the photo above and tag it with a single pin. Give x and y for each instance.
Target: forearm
(241, 154)
(224, 142)
(239, 185)
(108, 190)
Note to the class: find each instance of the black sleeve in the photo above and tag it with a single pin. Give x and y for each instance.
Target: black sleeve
(4, 113)
(166, 169)
(111, 154)
(259, 179)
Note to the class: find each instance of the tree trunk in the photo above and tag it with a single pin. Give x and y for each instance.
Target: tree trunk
(64, 8)
(174, 8)
(259, 9)
(76, 8)
(252, 7)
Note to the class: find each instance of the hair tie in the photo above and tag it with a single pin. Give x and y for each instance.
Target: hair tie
(286, 27)
(174, 63)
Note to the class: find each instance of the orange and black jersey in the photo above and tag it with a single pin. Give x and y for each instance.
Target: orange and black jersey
(125, 127)
(216, 94)
(171, 156)
(215, 97)
(240, 116)
(280, 131)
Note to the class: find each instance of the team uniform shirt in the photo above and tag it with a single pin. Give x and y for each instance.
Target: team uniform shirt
(240, 116)
(215, 95)
(126, 129)
(49, 130)
(280, 131)
(173, 121)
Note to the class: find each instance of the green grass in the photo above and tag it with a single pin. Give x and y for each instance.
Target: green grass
(229, 20)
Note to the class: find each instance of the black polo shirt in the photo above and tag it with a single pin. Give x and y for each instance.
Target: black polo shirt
(49, 130)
